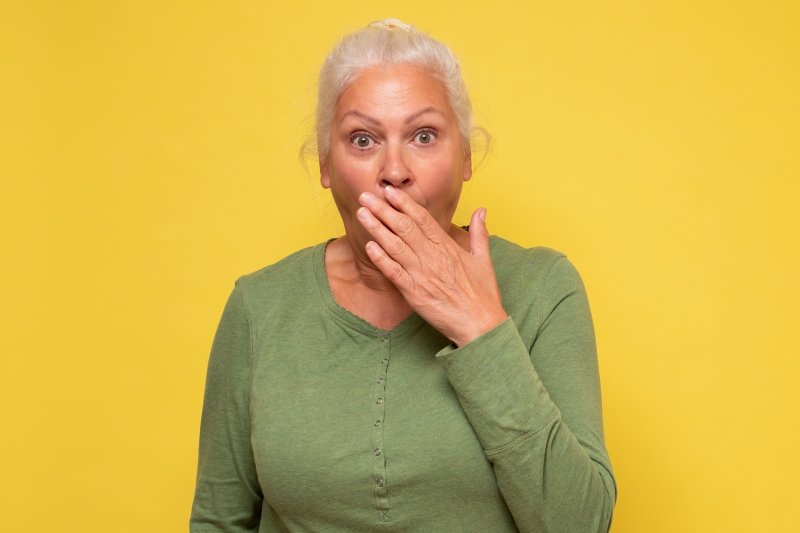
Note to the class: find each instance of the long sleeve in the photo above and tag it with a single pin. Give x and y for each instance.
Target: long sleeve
(535, 406)
(227, 494)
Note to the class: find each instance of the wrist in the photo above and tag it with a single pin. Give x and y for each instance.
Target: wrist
(478, 327)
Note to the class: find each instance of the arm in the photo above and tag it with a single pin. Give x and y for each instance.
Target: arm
(227, 494)
(535, 408)
(538, 413)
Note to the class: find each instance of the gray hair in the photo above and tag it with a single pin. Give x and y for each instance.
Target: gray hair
(388, 42)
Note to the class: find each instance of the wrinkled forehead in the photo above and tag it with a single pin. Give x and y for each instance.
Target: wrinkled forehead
(394, 92)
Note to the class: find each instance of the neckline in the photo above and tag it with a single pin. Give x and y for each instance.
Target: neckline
(411, 322)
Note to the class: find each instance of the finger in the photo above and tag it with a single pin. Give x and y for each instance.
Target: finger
(393, 245)
(399, 223)
(393, 271)
(479, 234)
(404, 203)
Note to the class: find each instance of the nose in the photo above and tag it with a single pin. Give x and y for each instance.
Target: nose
(395, 169)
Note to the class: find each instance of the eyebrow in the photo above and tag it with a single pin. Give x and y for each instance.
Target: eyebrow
(371, 120)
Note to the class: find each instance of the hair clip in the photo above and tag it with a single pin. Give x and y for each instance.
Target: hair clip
(392, 24)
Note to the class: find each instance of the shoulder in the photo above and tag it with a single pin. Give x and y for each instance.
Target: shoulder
(527, 265)
(538, 273)
(280, 269)
(287, 278)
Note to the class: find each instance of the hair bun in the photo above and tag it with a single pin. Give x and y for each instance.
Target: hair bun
(392, 24)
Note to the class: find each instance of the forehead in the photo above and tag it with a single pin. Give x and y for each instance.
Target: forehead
(393, 90)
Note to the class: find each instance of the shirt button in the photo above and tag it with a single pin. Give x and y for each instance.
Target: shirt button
(381, 380)
(384, 361)
(379, 482)
(379, 400)
(377, 451)
(377, 423)
(384, 339)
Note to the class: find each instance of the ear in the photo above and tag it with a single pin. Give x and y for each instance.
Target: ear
(324, 176)
(467, 163)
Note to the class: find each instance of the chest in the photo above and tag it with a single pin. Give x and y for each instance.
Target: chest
(370, 424)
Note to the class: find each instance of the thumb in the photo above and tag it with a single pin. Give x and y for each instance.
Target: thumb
(478, 234)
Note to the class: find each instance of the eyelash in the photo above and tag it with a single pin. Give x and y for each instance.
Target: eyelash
(359, 134)
(430, 132)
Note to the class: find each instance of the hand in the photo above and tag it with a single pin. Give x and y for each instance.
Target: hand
(453, 290)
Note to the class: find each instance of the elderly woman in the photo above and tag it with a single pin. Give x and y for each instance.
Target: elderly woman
(410, 375)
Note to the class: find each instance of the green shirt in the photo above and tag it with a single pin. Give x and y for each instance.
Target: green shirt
(315, 420)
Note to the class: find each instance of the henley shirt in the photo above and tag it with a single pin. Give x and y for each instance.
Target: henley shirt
(314, 420)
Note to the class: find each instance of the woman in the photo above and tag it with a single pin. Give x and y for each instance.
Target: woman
(410, 375)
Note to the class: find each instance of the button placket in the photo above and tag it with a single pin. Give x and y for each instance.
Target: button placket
(379, 411)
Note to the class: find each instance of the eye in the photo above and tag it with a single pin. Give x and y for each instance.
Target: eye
(361, 140)
(425, 136)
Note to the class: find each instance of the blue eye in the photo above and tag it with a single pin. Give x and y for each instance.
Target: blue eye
(361, 140)
(425, 137)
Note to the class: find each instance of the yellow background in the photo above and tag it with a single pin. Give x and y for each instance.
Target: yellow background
(149, 157)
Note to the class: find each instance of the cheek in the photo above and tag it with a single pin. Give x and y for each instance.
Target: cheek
(349, 178)
(447, 176)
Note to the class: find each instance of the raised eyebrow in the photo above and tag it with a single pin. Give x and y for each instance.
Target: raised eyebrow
(421, 112)
(376, 122)
(362, 116)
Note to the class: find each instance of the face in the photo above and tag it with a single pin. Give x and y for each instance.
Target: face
(395, 126)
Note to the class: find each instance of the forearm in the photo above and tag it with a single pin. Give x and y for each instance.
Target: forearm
(550, 480)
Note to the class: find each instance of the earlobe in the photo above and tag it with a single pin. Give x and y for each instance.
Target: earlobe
(324, 177)
(468, 165)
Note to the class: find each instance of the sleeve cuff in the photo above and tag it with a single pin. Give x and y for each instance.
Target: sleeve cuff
(498, 387)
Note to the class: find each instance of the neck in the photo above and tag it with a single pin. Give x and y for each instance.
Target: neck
(364, 271)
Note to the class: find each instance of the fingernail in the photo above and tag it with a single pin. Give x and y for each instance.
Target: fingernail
(390, 191)
(482, 214)
(366, 198)
(363, 213)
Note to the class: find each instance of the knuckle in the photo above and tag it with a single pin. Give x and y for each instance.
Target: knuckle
(425, 219)
(395, 272)
(404, 225)
(396, 247)
(449, 274)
